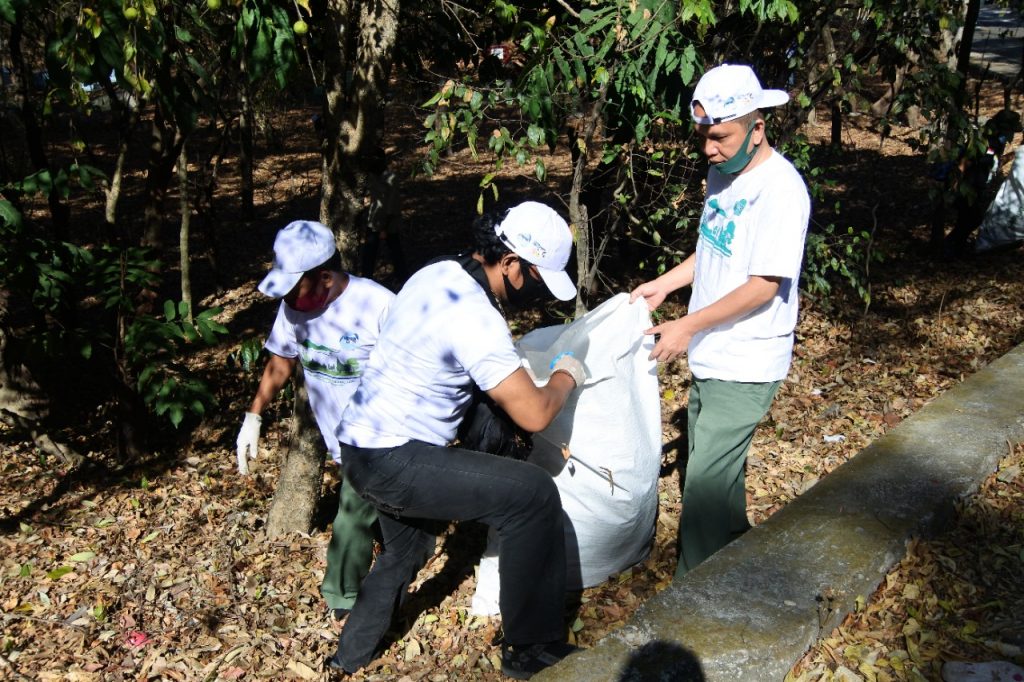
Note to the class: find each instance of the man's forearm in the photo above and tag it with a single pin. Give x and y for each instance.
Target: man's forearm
(275, 376)
(744, 299)
(681, 275)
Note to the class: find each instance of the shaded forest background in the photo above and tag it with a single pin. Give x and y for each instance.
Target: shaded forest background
(140, 552)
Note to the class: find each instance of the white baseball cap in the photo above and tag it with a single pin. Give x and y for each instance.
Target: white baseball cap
(299, 246)
(535, 232)
(730, 91)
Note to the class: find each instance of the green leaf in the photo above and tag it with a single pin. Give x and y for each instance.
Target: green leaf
(57, 573)
(9, 215)
(81, 556)
(8, 10)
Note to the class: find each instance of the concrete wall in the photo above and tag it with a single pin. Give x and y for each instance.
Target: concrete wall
(755, 607)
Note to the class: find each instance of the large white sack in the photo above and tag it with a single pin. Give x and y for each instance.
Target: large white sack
(1004, 220)
(612, 428)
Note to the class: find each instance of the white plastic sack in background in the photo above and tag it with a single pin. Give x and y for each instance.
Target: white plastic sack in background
(1004, 220)
(612, 428)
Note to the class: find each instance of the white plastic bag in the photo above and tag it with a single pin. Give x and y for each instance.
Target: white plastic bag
(1004, 220)
(612, 428)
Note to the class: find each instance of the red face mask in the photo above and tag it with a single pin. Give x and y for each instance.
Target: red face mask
(311, 301)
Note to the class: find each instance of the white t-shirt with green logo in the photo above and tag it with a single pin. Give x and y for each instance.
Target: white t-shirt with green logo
(333, 346)
(752, 224)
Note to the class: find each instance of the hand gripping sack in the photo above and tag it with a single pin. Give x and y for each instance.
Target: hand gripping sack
(612, 431)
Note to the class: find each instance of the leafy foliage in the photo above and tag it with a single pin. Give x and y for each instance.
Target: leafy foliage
(66, 281)
(633, 64)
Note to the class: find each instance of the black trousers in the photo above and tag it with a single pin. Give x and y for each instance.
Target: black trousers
(416, 483)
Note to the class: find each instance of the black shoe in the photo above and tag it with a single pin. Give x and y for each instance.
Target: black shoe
(333, 664)
(339, 614)
(524, 661)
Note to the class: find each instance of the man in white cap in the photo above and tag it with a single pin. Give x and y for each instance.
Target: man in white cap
(445, 336)
(328, 321)
(738, 330)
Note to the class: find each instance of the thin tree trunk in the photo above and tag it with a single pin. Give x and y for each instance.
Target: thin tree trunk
(298, 486)
(963, 53)
(578, 213)
(127, 116)
(245, 147)
(186, 221)
(59, 211)
(129, 412)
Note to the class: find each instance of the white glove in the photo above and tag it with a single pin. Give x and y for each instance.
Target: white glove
(565, 362)
(248, 441)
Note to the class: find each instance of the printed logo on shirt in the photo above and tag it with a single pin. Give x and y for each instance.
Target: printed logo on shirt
(349, 340)
(717, 226)
(325, 364)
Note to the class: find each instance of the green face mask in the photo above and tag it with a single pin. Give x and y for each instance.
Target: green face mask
(739, 160)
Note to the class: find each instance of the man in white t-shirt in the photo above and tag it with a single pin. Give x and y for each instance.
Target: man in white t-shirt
(445, 335)
(738, 330)
(328, 321)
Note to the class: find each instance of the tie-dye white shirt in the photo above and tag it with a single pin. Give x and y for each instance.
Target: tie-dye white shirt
(441, 337)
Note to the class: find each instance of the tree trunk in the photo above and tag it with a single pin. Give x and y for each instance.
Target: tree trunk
(356, 67)
(298, 487)
(165, 145)
(127, 115)
(963, 51)
(186, 221)
(130, 413)
(20, 395)
(30, 111)
(245, 146)
(837, 124)
(582, 141)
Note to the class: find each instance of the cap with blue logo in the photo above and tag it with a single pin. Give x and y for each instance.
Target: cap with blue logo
(536, 233)
(729, 91)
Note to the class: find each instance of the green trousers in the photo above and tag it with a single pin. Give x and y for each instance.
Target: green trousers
(350, 551)
(721, 416)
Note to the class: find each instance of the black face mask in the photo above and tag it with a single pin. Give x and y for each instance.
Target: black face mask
(532, 292)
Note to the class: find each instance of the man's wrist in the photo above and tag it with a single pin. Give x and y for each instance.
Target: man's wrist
(566, 373)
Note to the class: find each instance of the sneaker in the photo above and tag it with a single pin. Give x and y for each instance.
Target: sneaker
(524, 661)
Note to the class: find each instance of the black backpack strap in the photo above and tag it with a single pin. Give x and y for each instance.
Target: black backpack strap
(474, 269)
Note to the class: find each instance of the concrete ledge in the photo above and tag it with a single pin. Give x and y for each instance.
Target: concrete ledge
(755, 607)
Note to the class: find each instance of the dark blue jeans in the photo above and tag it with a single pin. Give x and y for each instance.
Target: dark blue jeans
(415, 483)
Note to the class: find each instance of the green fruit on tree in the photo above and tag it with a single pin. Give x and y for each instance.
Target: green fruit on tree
(213, 4)
(131, 14)
(300, 27)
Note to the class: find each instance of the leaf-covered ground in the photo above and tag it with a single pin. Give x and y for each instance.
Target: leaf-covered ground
(161, 570)
(954, 597)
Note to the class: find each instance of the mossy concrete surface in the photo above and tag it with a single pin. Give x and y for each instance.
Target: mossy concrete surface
(755, 607)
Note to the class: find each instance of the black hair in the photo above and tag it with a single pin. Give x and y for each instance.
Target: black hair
(485, 240)
(332, 264)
